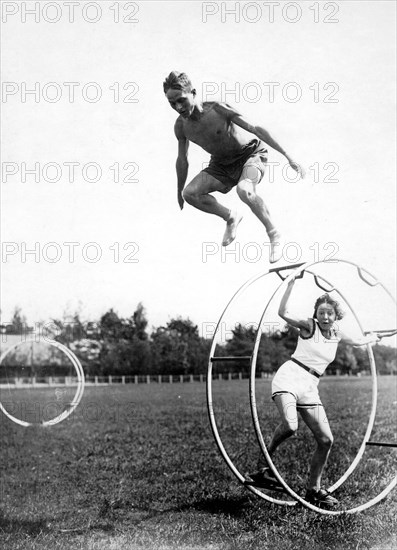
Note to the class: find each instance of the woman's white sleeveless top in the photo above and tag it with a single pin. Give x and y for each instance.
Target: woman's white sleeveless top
(316, 351)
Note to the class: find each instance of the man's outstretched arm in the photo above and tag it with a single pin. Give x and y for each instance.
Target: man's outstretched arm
(264, 135)
(182, 164)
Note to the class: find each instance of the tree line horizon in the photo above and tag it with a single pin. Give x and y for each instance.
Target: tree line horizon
(116, 345)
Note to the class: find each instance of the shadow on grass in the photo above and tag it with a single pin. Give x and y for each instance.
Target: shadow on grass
(230, 506)
(28, 527)
(40, 526)
(220, 505)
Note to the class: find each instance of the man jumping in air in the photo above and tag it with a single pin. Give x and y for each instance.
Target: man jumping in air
(235, 159)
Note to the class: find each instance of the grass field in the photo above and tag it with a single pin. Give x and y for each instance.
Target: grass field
(137, 467)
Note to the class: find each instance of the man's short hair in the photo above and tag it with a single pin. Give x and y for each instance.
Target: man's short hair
(177, 81)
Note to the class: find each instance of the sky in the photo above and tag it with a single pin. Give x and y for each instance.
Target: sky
(101, 211)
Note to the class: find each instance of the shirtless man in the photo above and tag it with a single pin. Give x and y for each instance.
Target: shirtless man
(236, 161)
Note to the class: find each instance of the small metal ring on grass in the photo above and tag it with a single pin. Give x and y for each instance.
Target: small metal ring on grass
(76, 399)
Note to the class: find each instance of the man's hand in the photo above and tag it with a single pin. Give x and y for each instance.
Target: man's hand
(181, 202)
(297, 167)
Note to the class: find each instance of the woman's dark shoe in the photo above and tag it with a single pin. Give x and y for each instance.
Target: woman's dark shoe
(264, 479)
(321, 498)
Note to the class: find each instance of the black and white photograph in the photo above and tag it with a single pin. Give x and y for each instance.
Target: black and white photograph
(198, 328)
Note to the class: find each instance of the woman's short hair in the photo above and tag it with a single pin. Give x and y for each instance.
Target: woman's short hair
(326, 299)
(177, 81)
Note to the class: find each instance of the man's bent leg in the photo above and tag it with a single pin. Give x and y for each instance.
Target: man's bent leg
(197, 194)
(246, 190)
(231, 227)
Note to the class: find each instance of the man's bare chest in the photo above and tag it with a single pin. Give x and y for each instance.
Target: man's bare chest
(210, 127)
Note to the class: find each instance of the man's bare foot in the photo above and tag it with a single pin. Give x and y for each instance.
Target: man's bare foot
(275, 246)
(231, 228)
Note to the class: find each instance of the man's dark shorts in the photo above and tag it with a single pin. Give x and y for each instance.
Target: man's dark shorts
(229, 171)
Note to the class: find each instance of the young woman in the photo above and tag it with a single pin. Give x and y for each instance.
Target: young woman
(295, 387)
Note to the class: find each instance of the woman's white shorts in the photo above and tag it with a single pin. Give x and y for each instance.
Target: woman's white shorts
(291, 378)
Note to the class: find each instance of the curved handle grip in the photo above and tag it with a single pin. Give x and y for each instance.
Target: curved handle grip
(316, 278)
(361, 272)
(284, 268)
(384, 333)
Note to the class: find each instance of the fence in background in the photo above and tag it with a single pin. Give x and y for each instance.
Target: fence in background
(135, 379)
(122, 379)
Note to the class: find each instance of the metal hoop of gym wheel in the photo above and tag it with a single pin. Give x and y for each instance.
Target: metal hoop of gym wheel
(298, 271)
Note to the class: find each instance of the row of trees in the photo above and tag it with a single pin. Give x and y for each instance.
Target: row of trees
(116, 345)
